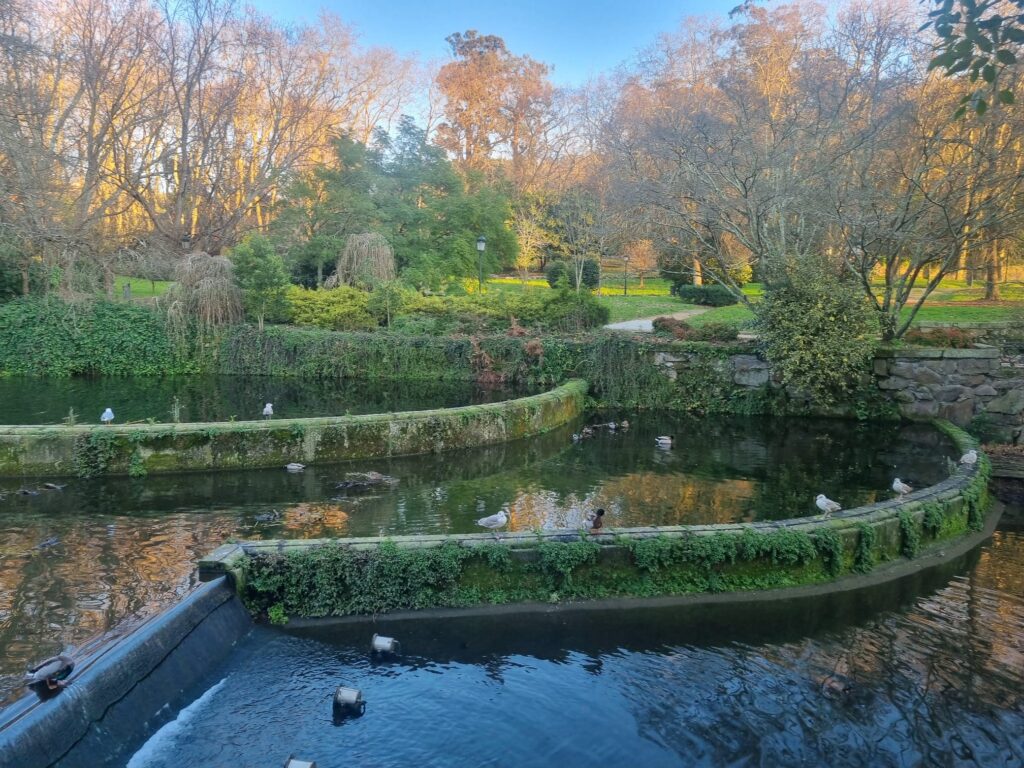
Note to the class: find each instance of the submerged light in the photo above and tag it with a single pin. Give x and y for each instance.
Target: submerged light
(381, 644)
(348, 701)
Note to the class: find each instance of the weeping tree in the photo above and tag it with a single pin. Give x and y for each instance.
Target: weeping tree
(204, 295)
(367, 260)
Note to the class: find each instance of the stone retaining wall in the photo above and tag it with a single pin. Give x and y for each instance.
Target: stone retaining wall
(139, 449)
(959, 385)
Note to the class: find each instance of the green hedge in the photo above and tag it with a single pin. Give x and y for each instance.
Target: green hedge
(707, 295)
(51, 337)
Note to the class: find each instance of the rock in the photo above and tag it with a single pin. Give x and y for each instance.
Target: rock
(881, 366)
(893, 382)
(752, 378)
(950, 394)
(976, 365)
(904, 396)
(923, 394)
(960, 413)
(922, 409)
(1011, 403)
(985, 390)
(924, 375)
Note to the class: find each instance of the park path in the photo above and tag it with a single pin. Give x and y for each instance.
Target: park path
(646, 324)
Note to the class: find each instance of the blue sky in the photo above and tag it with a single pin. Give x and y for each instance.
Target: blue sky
(579, 37)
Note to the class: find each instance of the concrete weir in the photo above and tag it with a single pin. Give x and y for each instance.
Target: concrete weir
(127, 688)
(139, 449)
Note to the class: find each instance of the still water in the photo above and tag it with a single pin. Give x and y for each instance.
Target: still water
(224, 398)
(927, 671)
(76, 562)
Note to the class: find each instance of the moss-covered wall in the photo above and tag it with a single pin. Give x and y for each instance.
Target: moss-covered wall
(304, 578)
(140, 449)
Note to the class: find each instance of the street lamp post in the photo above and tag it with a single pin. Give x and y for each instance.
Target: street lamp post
(481, 246)
(625, 273)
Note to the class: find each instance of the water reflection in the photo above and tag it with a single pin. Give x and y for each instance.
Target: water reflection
(224, 398)
(896, 676)
(122, 547)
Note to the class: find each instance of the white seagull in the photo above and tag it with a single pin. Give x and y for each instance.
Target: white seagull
(900, 487)
(494, 522)
(107, 417)
(268, 410)
(665, 441)
(970, 458)
(826, 505)
(295, 467)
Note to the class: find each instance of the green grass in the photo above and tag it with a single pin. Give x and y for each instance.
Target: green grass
(633, 307)
(141, 288)
(984, 313)
(737, 315)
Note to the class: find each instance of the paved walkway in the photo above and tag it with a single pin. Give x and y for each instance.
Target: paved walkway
(646, 324)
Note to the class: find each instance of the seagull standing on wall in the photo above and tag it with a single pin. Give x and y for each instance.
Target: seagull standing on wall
(268, 410)
(900, 487)
(970, 458)
(826, 505)
(494, 522)
(107, 417)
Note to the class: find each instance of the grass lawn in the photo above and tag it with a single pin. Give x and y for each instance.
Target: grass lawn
(141, 288)
(632, 307)
(737, 315)
(967, 313)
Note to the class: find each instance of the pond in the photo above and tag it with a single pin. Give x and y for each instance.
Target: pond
(225, 398)
(76, 562)
(926, 671)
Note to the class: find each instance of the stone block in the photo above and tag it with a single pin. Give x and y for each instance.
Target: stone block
(904, 368)
(881, 366)
(950, 394)
(976, 365)
(904, 396)
(975, 380)
(753, 377)
(920, 409)
(748, 363)
(925, 375)
(960, 413)
(985, 390)
(923, 394)
(974, 353)
(894, 382)
(1012, 403)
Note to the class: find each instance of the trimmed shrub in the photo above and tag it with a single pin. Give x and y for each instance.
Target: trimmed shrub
(956, 338)
(336, 309)
(705, 295)
(590, 274)
(707, 332)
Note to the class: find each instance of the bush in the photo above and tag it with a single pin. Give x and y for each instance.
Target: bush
(555, 271)
(686, 332)
(47, 336)
(955, 338)
(819, 333)
(337, 309)
(590, 274)
(705, 295)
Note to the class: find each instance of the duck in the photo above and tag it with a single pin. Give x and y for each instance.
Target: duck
(665, 441)
(294, 466)
(900, 487)
(970, 458)
(494, 522)
(587, 432)
(826, 505)
(576, 437)
(624, 424)
(52, 673)
(594, 520)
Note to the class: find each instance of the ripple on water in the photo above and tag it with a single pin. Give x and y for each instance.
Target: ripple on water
(938, 682)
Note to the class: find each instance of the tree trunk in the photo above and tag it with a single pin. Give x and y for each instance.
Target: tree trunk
(991, 286)
(319, 275)
(698, 273)
(24, 281)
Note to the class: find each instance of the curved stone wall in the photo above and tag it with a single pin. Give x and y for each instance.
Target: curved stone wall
(137, 450)
(545, 565)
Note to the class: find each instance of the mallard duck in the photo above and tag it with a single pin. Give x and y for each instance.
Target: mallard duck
(665, 441)
(594, 520)
(900, 487)
(587, 432)
(295, 467)
(494, 522)
(52, 673)
(826, 505)
(970, 458)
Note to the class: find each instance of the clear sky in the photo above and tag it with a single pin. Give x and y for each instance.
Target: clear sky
(579, 38)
